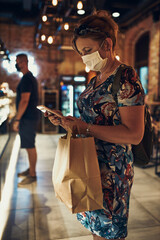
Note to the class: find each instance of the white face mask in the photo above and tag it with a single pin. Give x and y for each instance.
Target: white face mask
(94, 61)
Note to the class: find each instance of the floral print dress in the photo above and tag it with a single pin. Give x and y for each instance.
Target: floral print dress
(97, 106)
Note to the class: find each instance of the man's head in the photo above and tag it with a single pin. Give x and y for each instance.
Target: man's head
(22, 63)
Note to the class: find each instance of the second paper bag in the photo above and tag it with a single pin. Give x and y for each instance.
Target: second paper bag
(76, 174)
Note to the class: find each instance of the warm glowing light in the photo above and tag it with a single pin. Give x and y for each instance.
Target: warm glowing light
(81, 12)
(79, 5)
(87, 69)
(66, 26)
(50, 40)
(117, 57)
(5, 64)
(32, 66)
(54, 2)
(8, 186)
(9, 66)
(115, 14)
(44, 18)
(43, 37)
(1, 52)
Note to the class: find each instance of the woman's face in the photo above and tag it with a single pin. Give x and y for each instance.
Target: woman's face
(87, 46)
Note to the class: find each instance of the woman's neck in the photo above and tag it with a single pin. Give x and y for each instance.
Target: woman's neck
(110, 66)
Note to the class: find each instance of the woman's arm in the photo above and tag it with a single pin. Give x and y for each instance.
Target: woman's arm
(131, 129)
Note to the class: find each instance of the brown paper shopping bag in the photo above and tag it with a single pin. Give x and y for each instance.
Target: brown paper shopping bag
(76, 174)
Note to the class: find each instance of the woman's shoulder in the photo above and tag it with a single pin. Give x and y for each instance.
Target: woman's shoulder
(124, 67)
(128, 73)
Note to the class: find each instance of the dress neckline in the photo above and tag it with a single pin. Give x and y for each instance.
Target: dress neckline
(113, 73)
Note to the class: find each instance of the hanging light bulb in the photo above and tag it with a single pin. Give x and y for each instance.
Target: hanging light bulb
(115, 14)
(66, 26)
(43, 37)
(54, 2)
(44, 18)
(50, 40)
(80, 11)
(79, 5)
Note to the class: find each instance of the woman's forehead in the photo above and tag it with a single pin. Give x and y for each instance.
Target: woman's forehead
(86, 42)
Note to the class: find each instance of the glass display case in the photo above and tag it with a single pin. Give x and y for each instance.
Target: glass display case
(7, 112)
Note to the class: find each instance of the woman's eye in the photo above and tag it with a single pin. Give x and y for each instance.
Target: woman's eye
(87, 51)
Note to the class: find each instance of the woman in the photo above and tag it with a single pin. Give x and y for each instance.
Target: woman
(115, 125)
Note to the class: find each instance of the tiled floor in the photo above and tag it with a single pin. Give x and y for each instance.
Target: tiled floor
(35, 213)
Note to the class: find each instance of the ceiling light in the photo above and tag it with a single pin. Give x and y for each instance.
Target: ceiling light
(81, 12)
(1, 52)
(50, 40)
(43, 37)
(54, 2)
(44, 18)
(66, 26)
(115, 14)
(79, 5)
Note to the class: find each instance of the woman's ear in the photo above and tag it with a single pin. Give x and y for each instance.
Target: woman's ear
(108, 44)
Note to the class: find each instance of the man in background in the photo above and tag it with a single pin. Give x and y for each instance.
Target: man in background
(27, 117)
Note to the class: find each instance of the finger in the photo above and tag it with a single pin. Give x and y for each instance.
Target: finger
(70, 118)
(54, 120)
(46, 114)
(53, 117)
(58, 111)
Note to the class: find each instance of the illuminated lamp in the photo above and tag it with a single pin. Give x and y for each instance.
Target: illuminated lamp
(54, 2)
(66, 26)
(50, 40)
(44, 18)
(79, 5)
(43, 37)
(81, 12)
(115, 14)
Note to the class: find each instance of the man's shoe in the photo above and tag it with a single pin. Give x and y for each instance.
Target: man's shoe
(23, 174)
(28, 180)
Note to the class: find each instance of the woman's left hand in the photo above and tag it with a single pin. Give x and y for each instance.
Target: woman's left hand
(76, 125)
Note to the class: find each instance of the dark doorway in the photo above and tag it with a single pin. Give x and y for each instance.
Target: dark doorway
(141, 59)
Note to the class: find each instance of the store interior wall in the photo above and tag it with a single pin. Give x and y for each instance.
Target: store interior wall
(52, 63)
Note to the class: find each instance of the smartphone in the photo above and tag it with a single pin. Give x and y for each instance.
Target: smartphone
(44, 109)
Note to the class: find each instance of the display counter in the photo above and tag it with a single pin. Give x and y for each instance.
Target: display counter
(7, 113)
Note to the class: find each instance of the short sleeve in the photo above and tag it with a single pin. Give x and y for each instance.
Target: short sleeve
(26, 84)
(131, 92)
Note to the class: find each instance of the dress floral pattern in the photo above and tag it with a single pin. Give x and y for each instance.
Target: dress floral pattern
(97, 106)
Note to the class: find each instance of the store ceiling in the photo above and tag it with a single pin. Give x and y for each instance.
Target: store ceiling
(28, 12)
